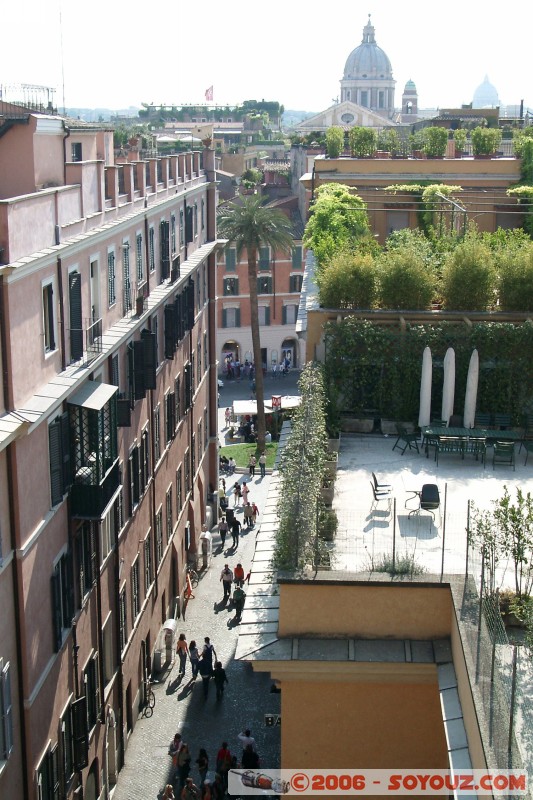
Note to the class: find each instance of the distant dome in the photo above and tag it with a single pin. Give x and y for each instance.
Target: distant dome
(410, 86)
(368, 60)
(486, 95)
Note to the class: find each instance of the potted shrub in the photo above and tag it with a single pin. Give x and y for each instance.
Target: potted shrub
(331, 463)
(362, 142)
(485, 141)
(459, 138)
(334, 142)
(327, 490)
(435, 142)
(327, 524)
(388, 142)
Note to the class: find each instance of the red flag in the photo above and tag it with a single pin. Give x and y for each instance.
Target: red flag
(209, 93)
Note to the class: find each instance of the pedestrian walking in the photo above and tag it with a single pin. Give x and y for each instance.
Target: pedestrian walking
(220, 678)
(235, 531)
(224, 763)
(251, 466)
(262, 464)
(231, 465)
(209, 653)
(168, 794)
(255, 513)
(223, 530)
(247, 740)
(203, 765)
(248, 515)
(226, 576)
(238, 601)
(227, 416)
(237, 493)
(218, 791)
(194, 655)
(205, 669)
(250, 759)
(205, 543)
(190, 791)
(183, 651)
(184, 764)
(245, 491)
(238, 575)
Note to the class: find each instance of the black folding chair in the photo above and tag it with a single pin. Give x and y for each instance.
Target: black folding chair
(409, 440)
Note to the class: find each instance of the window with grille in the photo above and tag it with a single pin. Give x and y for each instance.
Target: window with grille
(48, 775)
(295, 283)
(76, 151)
(108, 643)
(173, 233)
(297, 262)
(231, 286)
(170, 416)
(67, 750)
(169, 509)
(157, 433)
(111, 279)
(49, 318)
(135, 599)
(148, 564)
(62, 599)
(6, 710)
(231, 317)
(128, 301)
(182, 228)
(164, 245)
(139, 258)
(158, 537)
(123, 619)
(264, 315)
(134, 479)
(264, 284)
(206, 429)
(179, 491)
(264, 259)
(151, 249)
(289, 314)
(92, 691)
(231, 259)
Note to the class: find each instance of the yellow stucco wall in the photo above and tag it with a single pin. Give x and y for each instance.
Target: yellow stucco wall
(359, 610)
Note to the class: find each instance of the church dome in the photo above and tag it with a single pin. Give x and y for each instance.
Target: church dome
(486, 95)
(368, 60)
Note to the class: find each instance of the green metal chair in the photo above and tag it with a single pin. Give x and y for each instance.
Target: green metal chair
(450, 444)
(409, 440)
(478, 448)
(503, 453)
(528, 444)
(482, 420)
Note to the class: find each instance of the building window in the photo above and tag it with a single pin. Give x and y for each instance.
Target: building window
(187, 472)
(86, 556)
(206, 355)
(289, 314)
(264, 315)
(157, 434)
(173, 233)
(145, 456)
(170, 416)
(295, 283)
(231, 317)
(134, 479)
(151, 249)
(231, 259)
(179, 491)
(170, 520)
(154, 327)
(148, 564)
(76, 151)
(62, 599)
(206, 429)
(6, 721)
(59, 457)
(67, 749)
(177, 398)
(182, 228)
(231, 286)
(92, 691)
(158, 537)
(49, 318)
(195, 220)
(202, 215)
(139, 258)
(364, 99)
(126, 288)
(111, 288)
(48, 776)
(200, 442)
(297, 259)
(193, 459)
(135, 600)
(108, 649)
(264, 259)
(264, 284)
(123, 619)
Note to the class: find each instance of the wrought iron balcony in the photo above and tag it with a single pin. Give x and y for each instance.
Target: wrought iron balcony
(88, 499)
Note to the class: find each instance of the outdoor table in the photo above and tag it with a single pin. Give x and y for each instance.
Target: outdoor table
(474, 433)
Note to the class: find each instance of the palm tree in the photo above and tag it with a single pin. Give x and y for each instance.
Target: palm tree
(249, 225)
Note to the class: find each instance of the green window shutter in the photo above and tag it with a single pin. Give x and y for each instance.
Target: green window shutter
(231, 259)
(264, 258)
(237, 317)
(80, 734)
(267, 315)
(284, 315)
(189, 236)
(224, 318)
(170, 330)
(297, 257)
(56, 460)
(56, 611)
(139, 390)
(164, 235)
(149, 345)
(75, 312)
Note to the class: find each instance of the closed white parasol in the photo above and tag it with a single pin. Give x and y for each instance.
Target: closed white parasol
(424, 413)
(448, 389)
(471, 390)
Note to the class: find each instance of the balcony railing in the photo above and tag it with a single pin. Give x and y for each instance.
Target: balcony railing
(87, 499)
(86, 342)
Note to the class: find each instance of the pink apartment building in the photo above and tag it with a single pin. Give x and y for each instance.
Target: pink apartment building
(107, 435)
(279, 283)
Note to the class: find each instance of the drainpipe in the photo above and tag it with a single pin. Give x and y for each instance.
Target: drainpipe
(120, 674)
(3, 342)
(17, 608)
(65, 137)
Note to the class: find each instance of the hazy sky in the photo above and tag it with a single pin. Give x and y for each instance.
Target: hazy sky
(114, 54)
